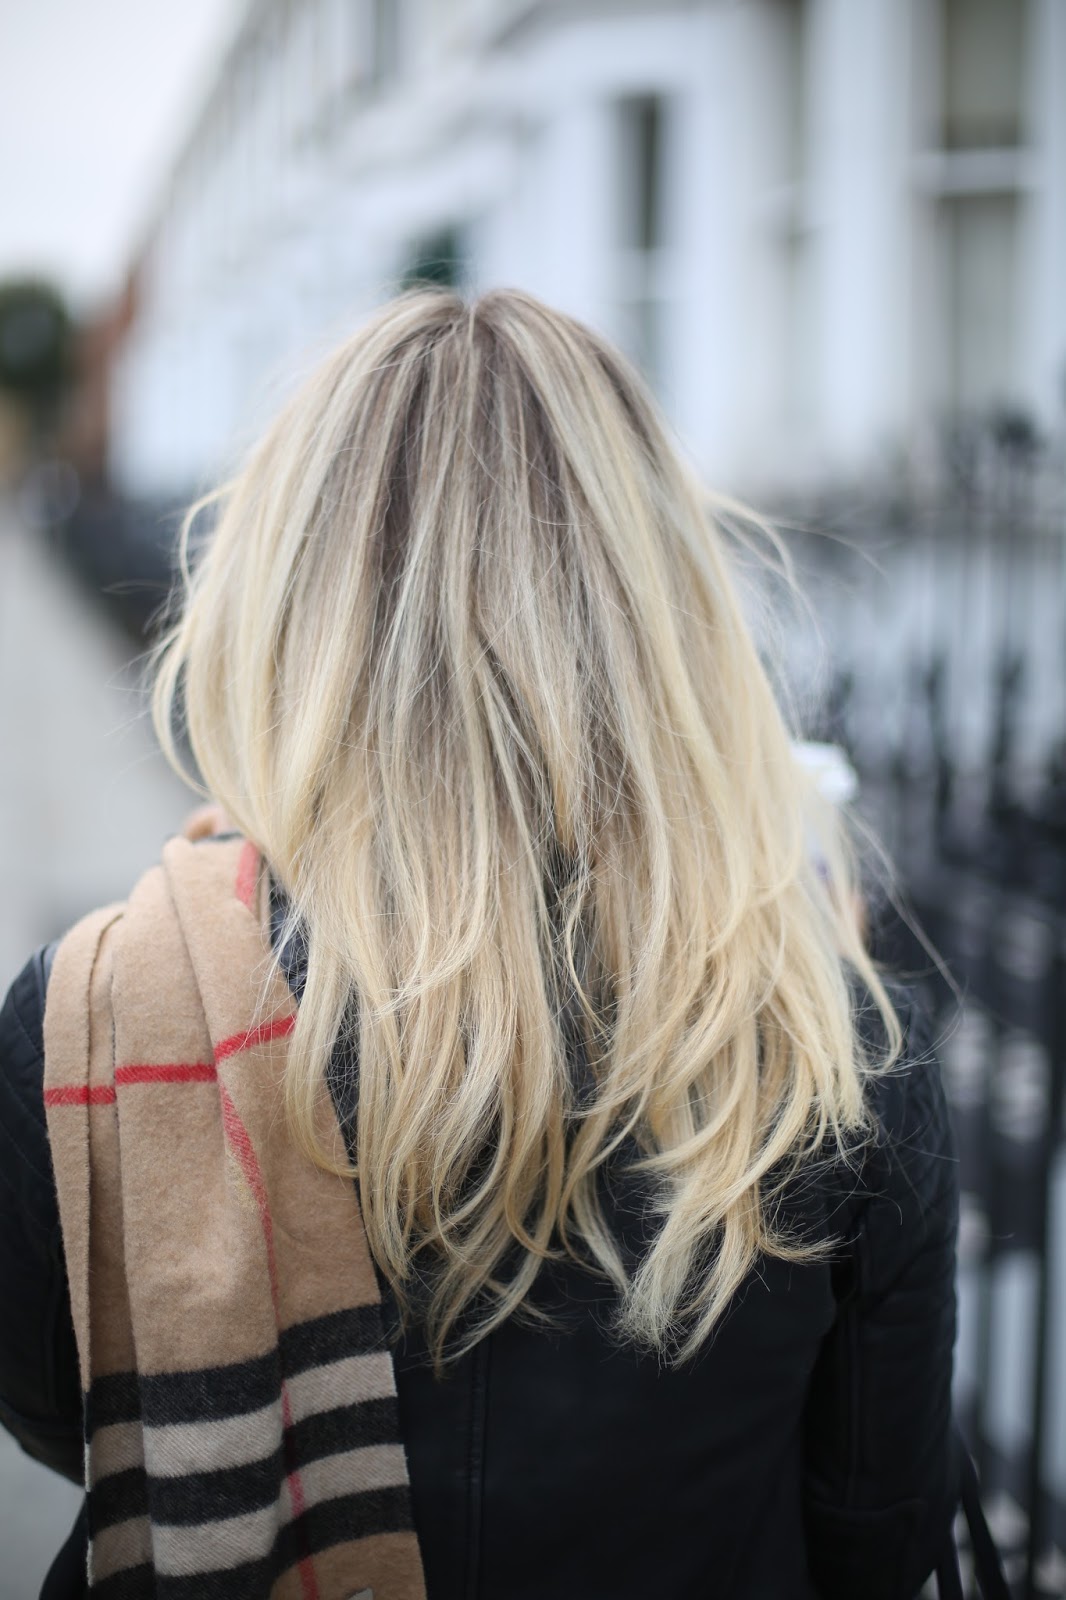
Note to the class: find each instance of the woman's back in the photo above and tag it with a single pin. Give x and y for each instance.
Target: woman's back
(463, 661)
(564, 1465)
(804, 1452)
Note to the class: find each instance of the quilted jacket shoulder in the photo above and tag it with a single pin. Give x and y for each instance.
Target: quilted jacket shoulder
(887, 1362)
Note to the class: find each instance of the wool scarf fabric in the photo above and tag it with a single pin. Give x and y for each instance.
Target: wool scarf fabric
(241, 1426)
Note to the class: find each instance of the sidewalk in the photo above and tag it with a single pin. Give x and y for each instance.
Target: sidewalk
(85, 804)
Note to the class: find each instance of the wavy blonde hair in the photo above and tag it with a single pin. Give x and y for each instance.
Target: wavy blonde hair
(464, 657)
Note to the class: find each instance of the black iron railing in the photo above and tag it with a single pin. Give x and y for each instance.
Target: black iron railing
(981, 854)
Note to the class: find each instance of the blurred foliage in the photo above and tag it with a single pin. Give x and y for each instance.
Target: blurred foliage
(36, 347)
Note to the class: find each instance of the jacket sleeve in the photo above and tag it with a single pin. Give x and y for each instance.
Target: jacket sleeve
(40, 1392)
(881, 1468)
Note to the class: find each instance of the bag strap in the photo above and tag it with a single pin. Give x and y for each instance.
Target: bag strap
(948, 1575)
(987, 1566)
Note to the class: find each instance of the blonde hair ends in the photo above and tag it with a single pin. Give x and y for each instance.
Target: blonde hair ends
(463, 656)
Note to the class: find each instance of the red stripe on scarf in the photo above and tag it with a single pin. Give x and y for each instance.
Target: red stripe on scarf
(280, 1028)
(198, 1071)
(170, 1072)
(247, 875)
(80, 1094)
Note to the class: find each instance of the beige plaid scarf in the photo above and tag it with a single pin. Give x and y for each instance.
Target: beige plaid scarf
(242, 1435)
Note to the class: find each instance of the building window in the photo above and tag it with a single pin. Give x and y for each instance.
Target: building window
(795, 82)
(386, 26)
(439, 258)
(644, 138)
(980, 124)
(797, 257)
(979, 241)
(344, 49)
(642, 145)
(982, 74)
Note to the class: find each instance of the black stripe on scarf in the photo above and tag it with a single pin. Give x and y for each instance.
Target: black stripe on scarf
(240, 1386)
(319, 1528)
(211, 1496)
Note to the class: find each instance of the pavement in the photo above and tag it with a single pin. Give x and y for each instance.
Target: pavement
(86, 802)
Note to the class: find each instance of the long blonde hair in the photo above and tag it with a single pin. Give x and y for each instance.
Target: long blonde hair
(463, 656)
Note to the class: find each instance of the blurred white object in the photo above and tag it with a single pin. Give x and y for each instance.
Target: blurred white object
(837, 783)
(834, 776)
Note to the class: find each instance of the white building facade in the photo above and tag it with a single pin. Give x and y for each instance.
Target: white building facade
(821, 226)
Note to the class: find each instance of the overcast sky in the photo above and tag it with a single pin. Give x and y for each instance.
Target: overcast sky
(95, 96)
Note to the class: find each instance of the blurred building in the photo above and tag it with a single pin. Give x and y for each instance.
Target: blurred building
(821, 226)
(826, 229)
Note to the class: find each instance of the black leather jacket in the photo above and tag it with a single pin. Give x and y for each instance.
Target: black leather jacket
(807, 1451)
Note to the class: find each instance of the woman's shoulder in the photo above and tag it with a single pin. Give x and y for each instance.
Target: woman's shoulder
(905, 1176)
(22, 1062)
(907, 1100)
(40, 1396)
